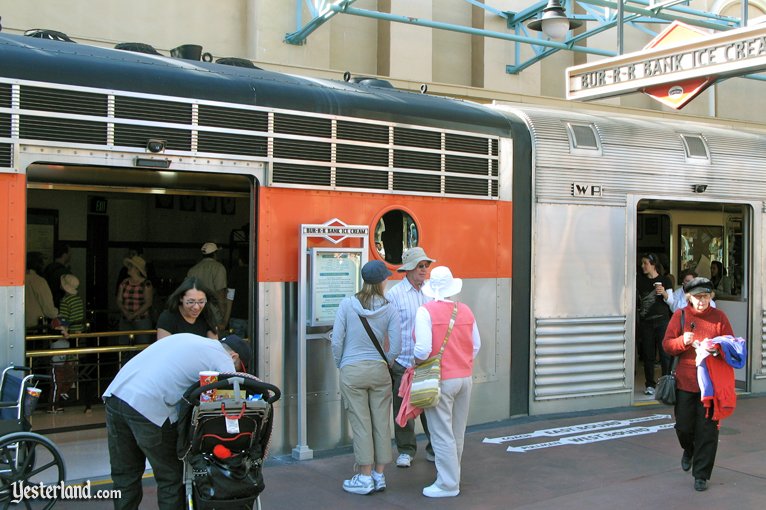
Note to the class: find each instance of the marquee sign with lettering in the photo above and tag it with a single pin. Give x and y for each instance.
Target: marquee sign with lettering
(676, 66)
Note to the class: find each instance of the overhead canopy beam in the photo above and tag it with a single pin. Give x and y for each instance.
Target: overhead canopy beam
(637, 12)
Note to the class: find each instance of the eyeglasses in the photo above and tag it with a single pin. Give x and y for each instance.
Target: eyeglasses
(190, 302)
(423, 265)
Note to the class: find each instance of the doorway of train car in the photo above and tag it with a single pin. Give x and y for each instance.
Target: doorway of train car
(105, 215)
(709, 239)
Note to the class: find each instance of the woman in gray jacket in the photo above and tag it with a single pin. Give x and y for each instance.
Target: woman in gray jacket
(365, 382)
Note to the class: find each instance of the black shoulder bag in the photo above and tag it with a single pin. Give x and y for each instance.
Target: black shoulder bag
(375, 342)
(666, 385)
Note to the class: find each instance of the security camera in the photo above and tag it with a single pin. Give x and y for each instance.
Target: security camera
(155, 146)
(699, 188)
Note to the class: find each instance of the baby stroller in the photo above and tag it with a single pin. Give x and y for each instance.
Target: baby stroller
(223, 442)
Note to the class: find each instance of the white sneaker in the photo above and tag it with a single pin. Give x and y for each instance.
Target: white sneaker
(649, 390)
(432, 491)
(379, 479)
(430, 457)
(359, 484)
(404, 460)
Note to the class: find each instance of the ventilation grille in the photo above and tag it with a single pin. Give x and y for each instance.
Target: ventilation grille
(5, 95)
(129, 135)
(5, 125)
(63, 101)
(62, 130)
(302, 175)
(6, 159)
(300, 149)
(362, 132)
(302, 125)
(583, 139)
(152, 110)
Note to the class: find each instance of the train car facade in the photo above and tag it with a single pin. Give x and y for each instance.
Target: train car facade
(543, 212)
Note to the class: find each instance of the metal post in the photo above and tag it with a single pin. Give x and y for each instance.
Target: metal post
(620, 26)
(744, 13)
(301, 450)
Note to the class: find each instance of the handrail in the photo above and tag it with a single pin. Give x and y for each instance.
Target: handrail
(85, 350)
(97, 334)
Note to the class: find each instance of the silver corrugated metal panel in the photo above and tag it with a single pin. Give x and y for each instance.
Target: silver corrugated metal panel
(763, 343)
(583, 356)
(641, 156)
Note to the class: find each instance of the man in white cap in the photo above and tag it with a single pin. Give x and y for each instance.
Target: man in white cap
(407, 297)
(212, 274)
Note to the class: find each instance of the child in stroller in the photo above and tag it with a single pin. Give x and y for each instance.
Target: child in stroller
(223, 442)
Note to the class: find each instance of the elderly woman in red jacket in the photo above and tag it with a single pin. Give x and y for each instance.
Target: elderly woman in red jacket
(696, 417)
(433, 321)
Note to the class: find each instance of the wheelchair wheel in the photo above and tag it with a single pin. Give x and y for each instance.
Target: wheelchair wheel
(29, 458)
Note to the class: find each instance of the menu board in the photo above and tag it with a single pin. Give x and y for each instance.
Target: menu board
(335, 274)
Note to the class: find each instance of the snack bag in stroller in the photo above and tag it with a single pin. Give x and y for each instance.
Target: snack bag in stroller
(223, 442)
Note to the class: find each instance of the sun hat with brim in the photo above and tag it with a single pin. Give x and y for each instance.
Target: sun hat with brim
(69, 283)
(698, 286)
(137, 262)
(442, 284)
(375, 271)
(412, 257)
(240, 347)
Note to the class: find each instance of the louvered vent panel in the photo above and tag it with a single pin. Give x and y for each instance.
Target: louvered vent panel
(300, 125)
(493, 147)
(417, 160)
(137, 136)
(361, 132)
(464, 165)
(5, 125)
(233, 119)
(62, 130)
(470, 144)
(63, 101)
(5, 155)
(465, 186)
(415, 182)
(152, 110)
(361, 155)
(225, 143)
(495, 187)
(300, 174)
(356, 178)
(5, 95)
(417, 138)
(301, 149)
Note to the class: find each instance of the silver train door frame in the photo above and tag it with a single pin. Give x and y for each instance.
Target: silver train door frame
(747, 315)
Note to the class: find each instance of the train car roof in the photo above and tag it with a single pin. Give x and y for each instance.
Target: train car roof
(28, 58)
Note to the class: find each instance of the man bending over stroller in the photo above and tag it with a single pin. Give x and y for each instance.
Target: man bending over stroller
(141, 411)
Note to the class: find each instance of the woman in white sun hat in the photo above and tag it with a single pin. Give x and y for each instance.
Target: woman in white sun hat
(447, 421)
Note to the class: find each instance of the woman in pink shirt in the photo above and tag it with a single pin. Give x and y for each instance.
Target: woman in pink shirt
(450, 416)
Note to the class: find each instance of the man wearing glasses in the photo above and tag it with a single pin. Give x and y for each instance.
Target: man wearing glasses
(407, 297)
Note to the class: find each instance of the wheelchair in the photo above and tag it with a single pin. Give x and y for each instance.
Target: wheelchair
(26, 458)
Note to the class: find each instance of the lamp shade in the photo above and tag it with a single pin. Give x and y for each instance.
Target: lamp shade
(554, 22)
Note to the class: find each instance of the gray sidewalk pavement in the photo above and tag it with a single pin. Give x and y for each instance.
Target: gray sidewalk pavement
(626, 458)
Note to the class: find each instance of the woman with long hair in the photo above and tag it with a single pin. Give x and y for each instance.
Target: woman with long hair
(365, 380)
(187, 311)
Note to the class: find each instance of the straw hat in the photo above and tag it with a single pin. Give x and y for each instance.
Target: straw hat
(442, 284)
(137, 262)
(69, 283)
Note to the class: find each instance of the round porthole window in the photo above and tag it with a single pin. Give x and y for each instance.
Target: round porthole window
(395, 232)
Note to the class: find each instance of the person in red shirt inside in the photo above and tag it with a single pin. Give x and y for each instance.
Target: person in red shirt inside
(696, 429)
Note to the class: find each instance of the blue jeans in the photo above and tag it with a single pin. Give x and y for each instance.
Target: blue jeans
(132, 440)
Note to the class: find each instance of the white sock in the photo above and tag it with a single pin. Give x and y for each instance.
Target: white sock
(376, 475)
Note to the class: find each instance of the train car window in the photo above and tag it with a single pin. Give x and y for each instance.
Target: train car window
(583, 139)
(696, 148)
(395, 232)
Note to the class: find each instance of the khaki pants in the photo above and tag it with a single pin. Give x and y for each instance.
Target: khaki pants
(366, 390)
